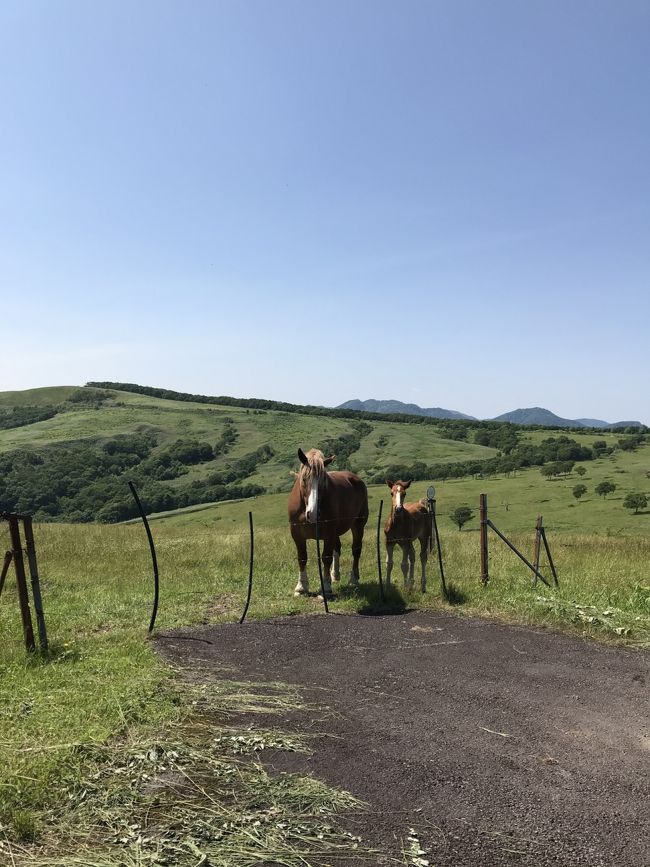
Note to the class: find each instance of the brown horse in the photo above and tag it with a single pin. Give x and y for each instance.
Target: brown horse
(340, 502)
(407, 522)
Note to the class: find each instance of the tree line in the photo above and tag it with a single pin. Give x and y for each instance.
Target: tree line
(87, 481)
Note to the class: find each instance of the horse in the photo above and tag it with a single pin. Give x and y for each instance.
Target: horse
(339, 502)
(407, 522)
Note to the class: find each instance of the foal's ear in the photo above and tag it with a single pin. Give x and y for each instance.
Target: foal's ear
(329, 460)
(406, 484)
(303, 457)
(390, 484)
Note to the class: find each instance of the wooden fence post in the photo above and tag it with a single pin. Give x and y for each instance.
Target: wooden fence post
(21, 581)
(36, 584)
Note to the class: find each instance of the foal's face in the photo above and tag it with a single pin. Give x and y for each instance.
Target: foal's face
(398, 494)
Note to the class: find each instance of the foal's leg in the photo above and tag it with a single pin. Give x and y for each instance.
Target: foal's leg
(389, 561)
(408, 564)
(424, 556)
(302, 587)
(405, 562)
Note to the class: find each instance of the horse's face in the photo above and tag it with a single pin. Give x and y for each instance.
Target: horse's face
(313, 480)
(398, 494)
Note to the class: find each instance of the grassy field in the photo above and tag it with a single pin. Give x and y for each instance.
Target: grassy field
(83, 732)
(105, 686)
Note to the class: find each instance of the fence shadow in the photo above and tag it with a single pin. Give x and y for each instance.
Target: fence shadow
(455, 596)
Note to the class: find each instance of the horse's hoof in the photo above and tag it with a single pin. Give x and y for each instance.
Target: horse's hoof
(301, 592)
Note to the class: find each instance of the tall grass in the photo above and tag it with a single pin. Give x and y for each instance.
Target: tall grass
(104, 680)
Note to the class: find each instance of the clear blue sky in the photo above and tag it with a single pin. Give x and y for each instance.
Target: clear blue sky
(440, 202)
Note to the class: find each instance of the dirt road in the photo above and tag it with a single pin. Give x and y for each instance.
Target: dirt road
(498, 745)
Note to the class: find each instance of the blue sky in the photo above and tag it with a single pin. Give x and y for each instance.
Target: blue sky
(441, 202)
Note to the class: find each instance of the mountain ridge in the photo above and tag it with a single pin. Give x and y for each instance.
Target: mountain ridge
(535, 415)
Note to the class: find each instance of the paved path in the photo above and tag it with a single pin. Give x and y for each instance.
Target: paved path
(499, 745)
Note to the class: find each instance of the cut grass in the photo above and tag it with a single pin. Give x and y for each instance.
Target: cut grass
(183, 796)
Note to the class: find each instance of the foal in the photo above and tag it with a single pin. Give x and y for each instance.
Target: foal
(407, 522)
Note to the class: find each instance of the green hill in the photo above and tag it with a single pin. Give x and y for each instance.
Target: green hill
(67, 453)
(74, 464)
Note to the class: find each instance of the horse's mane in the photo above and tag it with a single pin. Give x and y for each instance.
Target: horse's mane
(316, 466)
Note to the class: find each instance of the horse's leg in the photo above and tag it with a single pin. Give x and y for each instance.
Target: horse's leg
(327, 557)
(302, 587)
(424, 555)
(408, 564)
(389, 561)
(336, 569)
(357, 543)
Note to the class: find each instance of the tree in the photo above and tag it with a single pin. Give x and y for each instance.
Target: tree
(579, 491)
(636, 502)
(461, 515)
(581, 471)
(605, 488)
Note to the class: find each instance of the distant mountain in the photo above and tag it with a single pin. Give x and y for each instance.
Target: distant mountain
(617, 424)
(592, 422)
(535, 415)
(405, 408)
(539, 415)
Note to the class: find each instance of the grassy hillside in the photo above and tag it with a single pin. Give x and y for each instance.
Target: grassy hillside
(75, 465)
(251, 451)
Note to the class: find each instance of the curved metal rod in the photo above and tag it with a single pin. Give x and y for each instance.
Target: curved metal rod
(153, 556)
(442, 571)
(250, 568)
(320, 566)
(381, 583)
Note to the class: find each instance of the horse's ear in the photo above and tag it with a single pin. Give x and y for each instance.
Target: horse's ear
(390, 484)
(303, 457)
(406, 484)
(329, 460)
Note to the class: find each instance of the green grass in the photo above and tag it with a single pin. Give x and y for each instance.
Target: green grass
(37, 396)
(104, 687)
(104, 695)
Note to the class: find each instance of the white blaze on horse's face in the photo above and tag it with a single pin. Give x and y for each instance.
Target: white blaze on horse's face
(311, 509)
(399, 498)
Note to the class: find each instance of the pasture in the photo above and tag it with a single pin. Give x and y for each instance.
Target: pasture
(79, 729)
(66, 719)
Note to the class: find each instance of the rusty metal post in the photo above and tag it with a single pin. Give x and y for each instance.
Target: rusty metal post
(485, 576)
(36, 584)
(5, 568)
(518, 553)
(442, 571)
(21, 581)
(550, 559)
(538, 544)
